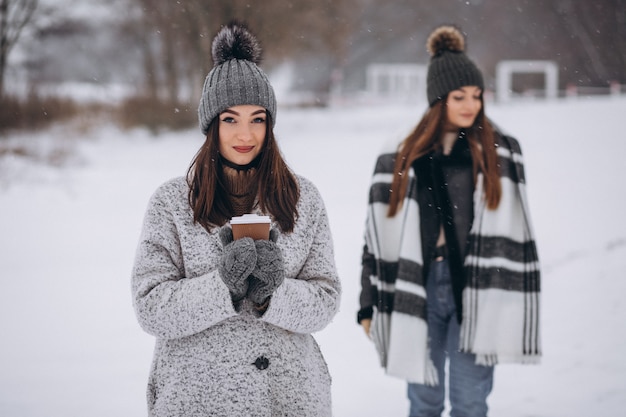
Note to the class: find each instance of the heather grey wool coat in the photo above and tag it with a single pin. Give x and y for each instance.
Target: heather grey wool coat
(211, 360)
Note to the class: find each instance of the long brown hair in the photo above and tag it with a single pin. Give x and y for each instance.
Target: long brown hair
(278, 191)
(426, 137)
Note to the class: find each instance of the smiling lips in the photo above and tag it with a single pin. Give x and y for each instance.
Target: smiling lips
(243, 149)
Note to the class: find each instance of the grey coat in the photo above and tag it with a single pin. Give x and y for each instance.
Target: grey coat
(211, 360)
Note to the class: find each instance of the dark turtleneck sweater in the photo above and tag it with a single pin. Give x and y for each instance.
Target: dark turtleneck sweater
(445, 197)
(240, 184)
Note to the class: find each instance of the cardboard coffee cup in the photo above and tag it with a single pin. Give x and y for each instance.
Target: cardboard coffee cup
(251, 225)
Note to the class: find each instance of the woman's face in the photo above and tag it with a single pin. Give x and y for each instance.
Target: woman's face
(242, 132)
(463, 105)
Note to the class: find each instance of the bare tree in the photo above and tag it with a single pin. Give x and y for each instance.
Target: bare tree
(14, 17)
(598, 28)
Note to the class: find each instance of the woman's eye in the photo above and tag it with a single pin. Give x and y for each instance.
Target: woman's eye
(458, 98)
(259, 120)
(228, 120)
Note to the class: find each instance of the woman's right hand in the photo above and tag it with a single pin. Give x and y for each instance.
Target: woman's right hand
(366, 323)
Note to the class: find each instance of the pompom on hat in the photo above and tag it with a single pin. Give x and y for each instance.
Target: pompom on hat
(235, 78)
(449, 69)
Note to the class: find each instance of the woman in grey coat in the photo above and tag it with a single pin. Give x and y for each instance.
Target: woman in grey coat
(233, 318)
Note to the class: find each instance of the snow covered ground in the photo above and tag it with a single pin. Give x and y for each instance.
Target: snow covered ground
(70, 345)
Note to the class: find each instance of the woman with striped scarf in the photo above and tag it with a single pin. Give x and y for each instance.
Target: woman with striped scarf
(450, 266)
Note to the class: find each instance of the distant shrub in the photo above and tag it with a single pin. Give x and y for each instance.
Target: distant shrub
(37, 112)
(34, 112)
(156, 115)
(10, 113)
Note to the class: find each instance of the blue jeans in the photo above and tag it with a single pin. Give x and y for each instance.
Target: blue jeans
(469, 384)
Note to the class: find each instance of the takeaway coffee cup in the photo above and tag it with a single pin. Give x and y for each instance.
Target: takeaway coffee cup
(251, 225)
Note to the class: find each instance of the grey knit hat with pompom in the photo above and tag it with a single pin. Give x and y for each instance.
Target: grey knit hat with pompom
(235, 78)
(449, 69)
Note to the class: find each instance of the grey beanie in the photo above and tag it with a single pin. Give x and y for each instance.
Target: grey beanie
(449, 68)
(235, 78)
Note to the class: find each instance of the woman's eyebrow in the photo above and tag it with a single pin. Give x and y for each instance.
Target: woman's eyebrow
(263, 111)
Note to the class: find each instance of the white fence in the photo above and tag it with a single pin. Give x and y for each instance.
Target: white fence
(402, 81)
(396, 80)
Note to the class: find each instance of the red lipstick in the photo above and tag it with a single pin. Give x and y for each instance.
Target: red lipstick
(243, 149)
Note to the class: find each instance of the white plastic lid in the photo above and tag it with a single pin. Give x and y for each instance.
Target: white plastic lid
(250, 218)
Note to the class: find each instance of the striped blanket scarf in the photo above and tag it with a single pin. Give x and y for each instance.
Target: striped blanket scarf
(501, 298)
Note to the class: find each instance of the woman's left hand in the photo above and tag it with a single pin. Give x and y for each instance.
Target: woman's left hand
(367, 324)
(269, 272)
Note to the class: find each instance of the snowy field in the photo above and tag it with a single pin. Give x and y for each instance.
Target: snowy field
(70, 344)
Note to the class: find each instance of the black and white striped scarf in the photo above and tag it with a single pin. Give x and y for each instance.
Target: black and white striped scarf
(501, 297)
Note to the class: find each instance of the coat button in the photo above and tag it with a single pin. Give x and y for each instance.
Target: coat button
(261, 362)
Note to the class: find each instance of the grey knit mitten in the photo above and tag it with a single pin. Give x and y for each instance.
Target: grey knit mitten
(269, 272)
(238, 261)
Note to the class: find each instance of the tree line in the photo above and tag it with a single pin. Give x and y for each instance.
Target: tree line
(176, 36)
(164, 46)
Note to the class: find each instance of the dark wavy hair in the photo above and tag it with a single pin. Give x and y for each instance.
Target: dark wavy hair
(278, 191)
(426, 137)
